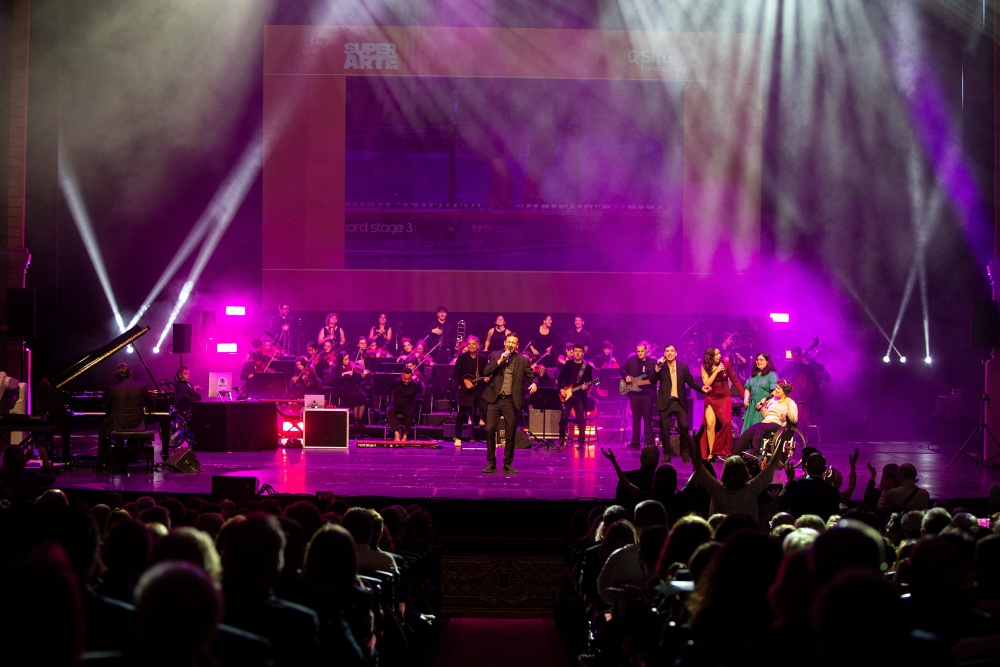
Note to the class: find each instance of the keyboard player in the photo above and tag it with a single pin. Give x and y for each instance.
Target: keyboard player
(125, 403)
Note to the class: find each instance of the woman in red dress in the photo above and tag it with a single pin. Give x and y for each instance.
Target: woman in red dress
(717, 439)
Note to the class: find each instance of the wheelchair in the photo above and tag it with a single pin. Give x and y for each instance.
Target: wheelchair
(788, 436)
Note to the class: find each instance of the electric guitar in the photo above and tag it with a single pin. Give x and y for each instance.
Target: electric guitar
(566, 392)
(469, 381)
(625, 388)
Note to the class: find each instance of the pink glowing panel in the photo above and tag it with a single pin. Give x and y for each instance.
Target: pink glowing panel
(239, 311)
(779, 317)
(226, 347)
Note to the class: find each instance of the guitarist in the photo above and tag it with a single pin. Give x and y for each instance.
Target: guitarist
(575, 379)
(639, 374)
(671, 400)
(471, 384)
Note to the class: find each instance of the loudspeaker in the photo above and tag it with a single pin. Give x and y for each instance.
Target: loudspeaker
(325, 428)
(435, 418)
(21, 312)
(184, 460)
(237, 489)
(985, 325)
(521, 441)
(449, 431)
(544, 423)
(182, 338)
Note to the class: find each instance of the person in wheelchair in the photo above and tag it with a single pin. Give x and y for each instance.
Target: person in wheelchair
(778, 409)
(184, 392)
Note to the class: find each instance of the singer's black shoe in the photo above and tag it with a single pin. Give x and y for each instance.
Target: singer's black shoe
(492, 467)
(509, 469)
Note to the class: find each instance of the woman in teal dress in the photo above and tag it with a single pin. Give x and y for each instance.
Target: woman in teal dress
(762, 382)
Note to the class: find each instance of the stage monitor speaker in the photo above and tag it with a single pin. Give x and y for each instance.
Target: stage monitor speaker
(184, 460)
(985, 325)
(521, 440)
(237, 489)
(325, 428)
(181, 338)
(21, 312)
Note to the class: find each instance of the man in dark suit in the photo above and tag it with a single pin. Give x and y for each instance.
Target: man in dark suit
(671, 400)
(125, 403)
(504, 397)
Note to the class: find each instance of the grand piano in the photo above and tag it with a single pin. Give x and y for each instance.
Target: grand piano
(69, 409)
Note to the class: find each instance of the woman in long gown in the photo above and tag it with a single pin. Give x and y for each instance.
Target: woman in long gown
(762, 382)
(716, 375)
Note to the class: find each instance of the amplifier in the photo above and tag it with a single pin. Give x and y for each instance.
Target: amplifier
(325, 428)
(544, 423)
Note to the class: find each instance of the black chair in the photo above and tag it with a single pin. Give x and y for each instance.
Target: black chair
(127, 443)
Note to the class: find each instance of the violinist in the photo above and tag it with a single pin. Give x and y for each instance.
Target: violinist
(381, 332)
(332, 331)
(362, 350)
(268, 348)
(407, 354)
(256, 364)
(305, 381)
(420, 355)
(348, 387)
(543, 379)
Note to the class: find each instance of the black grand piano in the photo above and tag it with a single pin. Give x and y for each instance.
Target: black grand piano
(66, 409)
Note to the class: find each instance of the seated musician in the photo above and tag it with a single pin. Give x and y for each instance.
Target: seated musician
(348, 387)
(606, 359)
(316, 359)
(125, 403)
(305, 381)
(543, 378)
(184, 392)
(256, 364)
(420, 355)
(778, 410)
(407, 353)
(403, 397)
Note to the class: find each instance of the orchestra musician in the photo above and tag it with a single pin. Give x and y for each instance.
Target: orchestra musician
(574, 380)
(545, 341)
(543, 378)
(407, 354)
(637, 370)
(606, 359)
(125, 404)
(257, 364)
(381, 332)
(499, 331)
(305, 381)
(281, 327)
(471, 384)
(333, 331)
(347, 389)
(438, 337)
(316, 358)
(578, 334)
(421, 357)
(716, 376)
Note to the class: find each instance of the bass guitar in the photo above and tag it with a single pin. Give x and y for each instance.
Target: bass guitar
(625, 388)
(566, 392)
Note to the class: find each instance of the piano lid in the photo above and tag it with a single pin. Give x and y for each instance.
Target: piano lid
(61, 379)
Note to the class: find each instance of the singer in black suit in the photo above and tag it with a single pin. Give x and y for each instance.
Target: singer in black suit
(504, 396)
(671, 400)
(125, 403)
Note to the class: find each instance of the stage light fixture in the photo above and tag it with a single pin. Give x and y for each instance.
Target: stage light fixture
(927, 360)
(886, 359)
(779, 317)
(902, 360)
(227, 348)
(238, 311)
(156, 350)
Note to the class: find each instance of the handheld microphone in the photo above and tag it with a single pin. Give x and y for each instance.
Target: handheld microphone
(661, 361)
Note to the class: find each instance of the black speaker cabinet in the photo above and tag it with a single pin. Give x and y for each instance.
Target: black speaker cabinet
(985, 325)
(21, 312)
(237, 489)
(521, 440)
(184, 460)
(182, 338)
(449, 431)
(325, 428)
(544, 423)
(243, 426)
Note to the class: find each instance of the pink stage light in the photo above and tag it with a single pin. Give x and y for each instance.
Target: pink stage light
(226, 347)
(779, 317)
(239, 311)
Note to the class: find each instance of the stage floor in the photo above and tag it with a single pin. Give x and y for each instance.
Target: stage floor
(449, 472)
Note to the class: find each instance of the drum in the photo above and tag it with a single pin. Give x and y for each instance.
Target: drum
(788, 436)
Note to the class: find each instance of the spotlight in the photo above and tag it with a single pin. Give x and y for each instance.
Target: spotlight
(156, 350)
(779, 317)
(927, 360)
(902, 360)
(886, 359)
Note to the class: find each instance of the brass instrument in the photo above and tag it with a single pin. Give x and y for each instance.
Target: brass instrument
(460, 328)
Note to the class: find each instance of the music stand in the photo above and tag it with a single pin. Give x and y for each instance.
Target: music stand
(543, 400)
